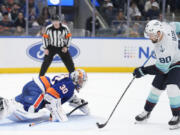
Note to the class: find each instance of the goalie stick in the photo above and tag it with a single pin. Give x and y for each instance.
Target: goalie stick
(85, 103)
(41, 121)
(104, 124)
(50, 118)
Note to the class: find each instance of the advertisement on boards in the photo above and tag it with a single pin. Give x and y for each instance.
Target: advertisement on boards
(86, 52)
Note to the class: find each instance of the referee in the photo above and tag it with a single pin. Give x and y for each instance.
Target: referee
(56, 40)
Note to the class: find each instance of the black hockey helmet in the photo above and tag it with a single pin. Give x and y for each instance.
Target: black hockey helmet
(55, 18)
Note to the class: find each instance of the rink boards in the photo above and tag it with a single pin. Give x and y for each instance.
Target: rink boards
(25, 54)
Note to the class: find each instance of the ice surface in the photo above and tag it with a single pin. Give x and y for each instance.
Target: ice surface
(102, 91)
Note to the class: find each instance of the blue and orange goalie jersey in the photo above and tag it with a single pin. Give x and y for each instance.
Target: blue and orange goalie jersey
(63, 89)
(32, 96)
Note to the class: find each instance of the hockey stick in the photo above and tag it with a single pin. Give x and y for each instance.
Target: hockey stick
(41, 121)
(50, 118)
(104, 124)
(85, 103)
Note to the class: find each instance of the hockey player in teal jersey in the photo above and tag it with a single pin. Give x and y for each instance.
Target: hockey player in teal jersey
(176, 26)
(166, 70)
(42, 93)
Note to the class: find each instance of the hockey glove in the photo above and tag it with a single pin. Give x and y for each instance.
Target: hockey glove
(138, 72)
(75, 102)
(55, 107)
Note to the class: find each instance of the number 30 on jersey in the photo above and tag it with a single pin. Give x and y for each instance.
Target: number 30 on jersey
(63, 89)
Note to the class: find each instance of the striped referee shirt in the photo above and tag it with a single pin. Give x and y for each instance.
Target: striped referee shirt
(56, 37)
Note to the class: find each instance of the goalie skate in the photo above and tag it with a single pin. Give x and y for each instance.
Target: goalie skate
(142, 118)
(174, 123)
(1, 104)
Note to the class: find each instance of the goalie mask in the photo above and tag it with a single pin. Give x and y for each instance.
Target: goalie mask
(79, 78)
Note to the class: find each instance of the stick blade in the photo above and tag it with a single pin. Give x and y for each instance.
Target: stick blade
(100, 125)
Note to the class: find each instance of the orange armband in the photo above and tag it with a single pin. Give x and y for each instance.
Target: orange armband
(68, 35)
(45, 36)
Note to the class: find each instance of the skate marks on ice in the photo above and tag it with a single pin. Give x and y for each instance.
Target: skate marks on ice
(174, 127)
(6, 123)
(155, 125)
(75, 122)
(146, 123)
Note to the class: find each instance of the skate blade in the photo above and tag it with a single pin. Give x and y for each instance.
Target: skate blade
(140, 122)
(174, 127)
(1, 104)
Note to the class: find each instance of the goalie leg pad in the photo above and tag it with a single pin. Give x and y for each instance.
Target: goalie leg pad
(55, 108)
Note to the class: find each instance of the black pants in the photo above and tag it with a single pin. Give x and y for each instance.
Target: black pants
(162, 80)
(66, 58)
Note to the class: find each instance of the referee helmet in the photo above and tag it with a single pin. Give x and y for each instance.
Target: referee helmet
(55, 18)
